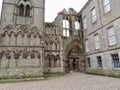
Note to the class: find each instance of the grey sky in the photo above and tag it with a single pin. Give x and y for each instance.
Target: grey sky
(54, 6)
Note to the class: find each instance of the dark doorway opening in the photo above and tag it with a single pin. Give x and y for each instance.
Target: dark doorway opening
(74, 64)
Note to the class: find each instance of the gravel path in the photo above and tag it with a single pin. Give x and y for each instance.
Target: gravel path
(74, 81)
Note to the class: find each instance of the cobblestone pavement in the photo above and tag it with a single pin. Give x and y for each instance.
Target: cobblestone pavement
(74, 81)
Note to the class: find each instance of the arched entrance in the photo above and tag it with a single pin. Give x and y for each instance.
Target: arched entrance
(74, 57)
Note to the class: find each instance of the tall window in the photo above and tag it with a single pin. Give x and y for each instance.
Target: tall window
(87, 46)
(21, 10)
(116, 61)
(111, 36)
(94, 16)
(99, 61)
(97, 42)
(24, 8)
(66, 31)
(77, 25)
(85, 23)
(27, 12)
(107, 6)
(88, 63)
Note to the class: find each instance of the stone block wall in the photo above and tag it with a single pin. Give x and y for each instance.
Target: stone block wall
(100, 27)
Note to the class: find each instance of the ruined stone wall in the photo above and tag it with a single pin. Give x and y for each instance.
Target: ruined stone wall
(21, 51)
(53, 60)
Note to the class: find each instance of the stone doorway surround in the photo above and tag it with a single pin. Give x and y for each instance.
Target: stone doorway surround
(74, 57)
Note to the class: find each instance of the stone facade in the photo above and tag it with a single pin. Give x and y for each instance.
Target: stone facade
(21, 37)
(105, 21)
(65, 49)
(28, 45)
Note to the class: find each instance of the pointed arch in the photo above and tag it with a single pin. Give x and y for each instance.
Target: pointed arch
(24, 8)
(21, 10)
(74, 44)
(8, 27)
(22, 28)
(27, 12)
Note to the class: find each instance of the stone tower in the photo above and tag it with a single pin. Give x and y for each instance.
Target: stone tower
(21, 37)
(23, 12)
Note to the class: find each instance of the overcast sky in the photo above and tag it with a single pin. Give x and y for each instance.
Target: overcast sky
(54, 6)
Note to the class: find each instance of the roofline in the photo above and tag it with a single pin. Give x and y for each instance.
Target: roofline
(84, 6)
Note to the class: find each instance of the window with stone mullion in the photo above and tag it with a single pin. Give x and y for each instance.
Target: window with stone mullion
(24, 8)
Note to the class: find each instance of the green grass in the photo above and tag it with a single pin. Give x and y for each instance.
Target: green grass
(112, 73)
(24, 78)
(18, 78)
(50, 74)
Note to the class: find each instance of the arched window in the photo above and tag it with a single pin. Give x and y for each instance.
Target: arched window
(21, 10)
(24, 8)
(27, 12)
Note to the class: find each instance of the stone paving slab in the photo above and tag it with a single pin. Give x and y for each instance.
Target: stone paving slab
(73, 81)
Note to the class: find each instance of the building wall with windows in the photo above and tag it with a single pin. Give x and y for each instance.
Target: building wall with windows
(103, 34)
(72, 42)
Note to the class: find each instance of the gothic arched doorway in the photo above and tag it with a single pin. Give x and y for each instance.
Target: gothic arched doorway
(74, 57)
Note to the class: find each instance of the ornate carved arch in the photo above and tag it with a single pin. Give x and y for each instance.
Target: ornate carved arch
(24, 8)
(74, 44)
(9, 27)
(32, 3)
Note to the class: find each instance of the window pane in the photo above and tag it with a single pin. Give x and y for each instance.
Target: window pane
(68, 33)
(107, 6)
(97, 42)
(21, 10)
(64, 25)
(88, 63)
(64, 32)
(87, 46)
(85, 23)
(93, 12)
(99, 61)
(111, 32)
(94, 17)
(27, 12)
(77, 25)
(67, 24)
(96, 38)
(97, 45)
(112, 40)
(106, 2)
(111, 35)
(116, 62)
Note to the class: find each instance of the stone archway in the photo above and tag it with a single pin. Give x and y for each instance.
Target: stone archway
(74, 57)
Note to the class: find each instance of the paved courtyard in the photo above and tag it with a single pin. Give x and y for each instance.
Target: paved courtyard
(74, 81)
